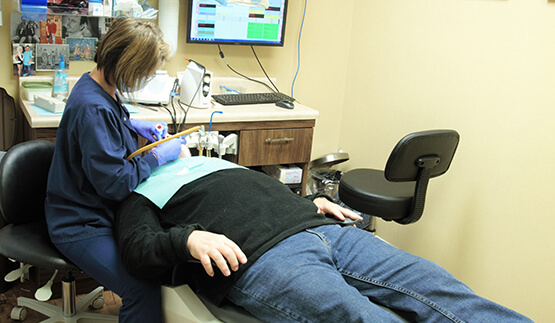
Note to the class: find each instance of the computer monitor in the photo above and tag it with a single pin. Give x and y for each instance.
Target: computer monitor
(226, 22)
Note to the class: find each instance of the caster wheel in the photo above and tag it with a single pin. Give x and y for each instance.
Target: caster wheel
(18, 313)
(97, 303)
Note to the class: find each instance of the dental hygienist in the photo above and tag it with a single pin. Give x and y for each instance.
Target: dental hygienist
(90, 175)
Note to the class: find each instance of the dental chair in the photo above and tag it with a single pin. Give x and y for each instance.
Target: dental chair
(23, 174)
(181, 304)
(398, 193)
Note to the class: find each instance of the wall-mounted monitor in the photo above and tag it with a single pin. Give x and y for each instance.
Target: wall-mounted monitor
(228, 22)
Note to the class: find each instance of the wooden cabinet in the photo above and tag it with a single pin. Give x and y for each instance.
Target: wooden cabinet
(269, 147)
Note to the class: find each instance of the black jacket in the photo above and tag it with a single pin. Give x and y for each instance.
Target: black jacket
(250, 208)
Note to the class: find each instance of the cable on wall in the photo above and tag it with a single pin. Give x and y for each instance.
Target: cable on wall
(299, 49)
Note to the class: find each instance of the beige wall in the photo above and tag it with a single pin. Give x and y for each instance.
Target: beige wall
(486, 69)
(377, 70)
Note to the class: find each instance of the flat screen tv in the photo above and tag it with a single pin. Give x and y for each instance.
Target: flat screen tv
(229, 22)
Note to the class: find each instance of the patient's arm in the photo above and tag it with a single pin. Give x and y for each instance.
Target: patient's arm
(147, 250)
(207, 247)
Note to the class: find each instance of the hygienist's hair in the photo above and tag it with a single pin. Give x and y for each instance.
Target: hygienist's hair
(130, 52)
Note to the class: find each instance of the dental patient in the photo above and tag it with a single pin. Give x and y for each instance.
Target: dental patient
(282, 257)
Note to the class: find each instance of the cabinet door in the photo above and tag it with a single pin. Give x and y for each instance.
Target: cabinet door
(270, 147)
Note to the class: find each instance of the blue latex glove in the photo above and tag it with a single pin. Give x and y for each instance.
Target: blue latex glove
(168, 150)
(150, 130)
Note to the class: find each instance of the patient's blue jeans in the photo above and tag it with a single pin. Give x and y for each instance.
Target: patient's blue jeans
(335, 274)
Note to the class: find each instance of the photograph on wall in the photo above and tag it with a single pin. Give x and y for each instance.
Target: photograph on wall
(23, 31)
(51, 30)
(24, 59)
(81, 49)
(68, 7)
(17, 59)
(49, 56)
(107, 24)
(81, 27)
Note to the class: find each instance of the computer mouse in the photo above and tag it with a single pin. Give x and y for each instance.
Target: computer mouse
(285, 104)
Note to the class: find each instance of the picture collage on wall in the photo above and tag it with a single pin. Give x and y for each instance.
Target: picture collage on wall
(41, 45)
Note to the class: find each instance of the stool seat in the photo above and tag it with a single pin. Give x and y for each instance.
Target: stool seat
(366, 190)
(17, 240)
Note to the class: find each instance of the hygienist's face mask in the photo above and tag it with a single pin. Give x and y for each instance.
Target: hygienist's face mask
(139, 85)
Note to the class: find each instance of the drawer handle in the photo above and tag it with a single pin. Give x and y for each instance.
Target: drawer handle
(270, 140)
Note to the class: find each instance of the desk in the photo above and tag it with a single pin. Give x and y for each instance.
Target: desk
(259, 129)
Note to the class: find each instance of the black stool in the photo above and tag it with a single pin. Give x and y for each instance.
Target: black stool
(399, 192)
(23, 174)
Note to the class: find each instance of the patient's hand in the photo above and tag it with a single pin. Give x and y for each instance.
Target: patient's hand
(327, 207)
(207, 247)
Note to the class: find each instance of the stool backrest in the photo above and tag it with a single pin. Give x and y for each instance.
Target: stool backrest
(402, 165)
(23, 175)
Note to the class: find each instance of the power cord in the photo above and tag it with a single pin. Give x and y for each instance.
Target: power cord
(173, 112)
(186, 110)
(172, 115)
(244, 76)
(263, 70)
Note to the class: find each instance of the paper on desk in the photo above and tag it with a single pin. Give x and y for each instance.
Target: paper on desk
(131, 108)
(45, 113)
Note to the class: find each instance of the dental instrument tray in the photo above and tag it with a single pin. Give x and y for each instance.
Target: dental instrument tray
(251, 98)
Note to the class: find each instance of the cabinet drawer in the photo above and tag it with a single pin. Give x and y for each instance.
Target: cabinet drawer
(269, 147)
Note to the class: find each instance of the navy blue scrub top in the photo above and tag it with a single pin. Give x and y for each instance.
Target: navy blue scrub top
(89, 175)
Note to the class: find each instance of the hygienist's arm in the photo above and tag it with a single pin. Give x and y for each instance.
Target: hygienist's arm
(103, 152)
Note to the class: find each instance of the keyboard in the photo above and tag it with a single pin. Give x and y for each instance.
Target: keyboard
(251, 98)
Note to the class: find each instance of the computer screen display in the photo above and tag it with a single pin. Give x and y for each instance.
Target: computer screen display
(234, 22)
